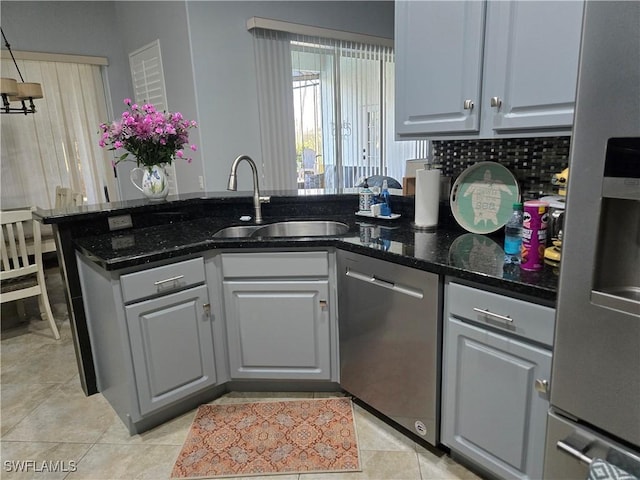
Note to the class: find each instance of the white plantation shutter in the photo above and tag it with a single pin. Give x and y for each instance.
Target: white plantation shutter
(147, 76)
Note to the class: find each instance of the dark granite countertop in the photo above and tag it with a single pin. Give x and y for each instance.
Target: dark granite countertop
(447, 250)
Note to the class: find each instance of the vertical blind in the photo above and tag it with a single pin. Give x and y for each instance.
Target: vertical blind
(58, 145)
(343, 109)
(275, 108)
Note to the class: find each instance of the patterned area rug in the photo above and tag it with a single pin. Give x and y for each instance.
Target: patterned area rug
(297, 436)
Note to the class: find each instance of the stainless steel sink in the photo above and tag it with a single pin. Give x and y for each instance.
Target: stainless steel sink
(294, 228)
(239, 231)
(312, 228)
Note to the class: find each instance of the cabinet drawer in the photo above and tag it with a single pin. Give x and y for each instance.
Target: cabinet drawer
(160, 280)
(275, 264)
(524, 319)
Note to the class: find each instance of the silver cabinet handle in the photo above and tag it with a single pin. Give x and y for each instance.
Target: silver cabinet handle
(323, 304)
(496, 102)
(542, 385)
(504, 318)
(166, 280)
(207, 309)
(359, 276)
(468, 105)
(382, 283)
(396, 287)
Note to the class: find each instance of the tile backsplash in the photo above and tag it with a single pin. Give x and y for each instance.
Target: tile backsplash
(531, 160)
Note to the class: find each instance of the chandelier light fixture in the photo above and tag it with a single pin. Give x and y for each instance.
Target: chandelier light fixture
(14, 91)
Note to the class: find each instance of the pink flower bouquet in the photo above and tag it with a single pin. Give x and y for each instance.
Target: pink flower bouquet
(152, 137)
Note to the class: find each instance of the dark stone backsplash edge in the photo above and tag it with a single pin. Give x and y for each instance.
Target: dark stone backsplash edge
(533, 161)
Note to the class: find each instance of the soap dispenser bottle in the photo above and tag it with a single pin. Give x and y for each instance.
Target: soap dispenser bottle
(366, 197)
(386, 200)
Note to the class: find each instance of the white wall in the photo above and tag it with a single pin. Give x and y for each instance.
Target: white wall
(138, 24)
(207, 56)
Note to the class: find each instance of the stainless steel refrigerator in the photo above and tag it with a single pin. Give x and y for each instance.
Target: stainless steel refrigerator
(595, 381)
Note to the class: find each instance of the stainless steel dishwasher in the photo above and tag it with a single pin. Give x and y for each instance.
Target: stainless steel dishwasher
(390, 339)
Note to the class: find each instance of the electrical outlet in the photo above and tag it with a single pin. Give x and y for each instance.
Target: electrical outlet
(119, 222)
(201, 181)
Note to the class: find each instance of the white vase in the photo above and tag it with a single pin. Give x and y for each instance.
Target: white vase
(155, 184)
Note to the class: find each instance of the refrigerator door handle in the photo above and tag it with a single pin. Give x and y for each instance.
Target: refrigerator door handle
(599, 448)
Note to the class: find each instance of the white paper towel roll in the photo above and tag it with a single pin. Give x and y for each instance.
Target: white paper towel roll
(427, 197)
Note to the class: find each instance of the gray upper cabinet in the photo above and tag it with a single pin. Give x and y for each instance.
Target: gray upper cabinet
(486, 69)
(531, 64)
(438, 53)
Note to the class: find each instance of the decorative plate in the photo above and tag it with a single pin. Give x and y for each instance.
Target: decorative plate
(482, 197)
(478, 253)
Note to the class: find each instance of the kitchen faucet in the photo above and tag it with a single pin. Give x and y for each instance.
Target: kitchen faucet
(233, 185)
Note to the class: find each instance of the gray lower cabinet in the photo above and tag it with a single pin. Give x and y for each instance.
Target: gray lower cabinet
(171, 347)
(495, 399)
(157, 341)
(278, 315)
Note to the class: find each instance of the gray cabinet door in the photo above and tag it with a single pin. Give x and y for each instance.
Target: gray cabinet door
(515, 69)
(278, 329)
(438, 65)
(531, 64)
(491, 411)
(171, 347)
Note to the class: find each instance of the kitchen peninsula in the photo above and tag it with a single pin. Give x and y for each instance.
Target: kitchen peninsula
(130, 237)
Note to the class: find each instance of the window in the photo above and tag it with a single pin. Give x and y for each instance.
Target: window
(58, 145)
(342, 107)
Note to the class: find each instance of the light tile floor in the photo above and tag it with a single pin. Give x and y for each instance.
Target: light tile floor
(46, 419)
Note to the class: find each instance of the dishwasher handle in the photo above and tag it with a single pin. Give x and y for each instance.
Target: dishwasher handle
(380, 282)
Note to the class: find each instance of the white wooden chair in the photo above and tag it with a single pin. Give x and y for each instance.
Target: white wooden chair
(23, 277)
(66, 197)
